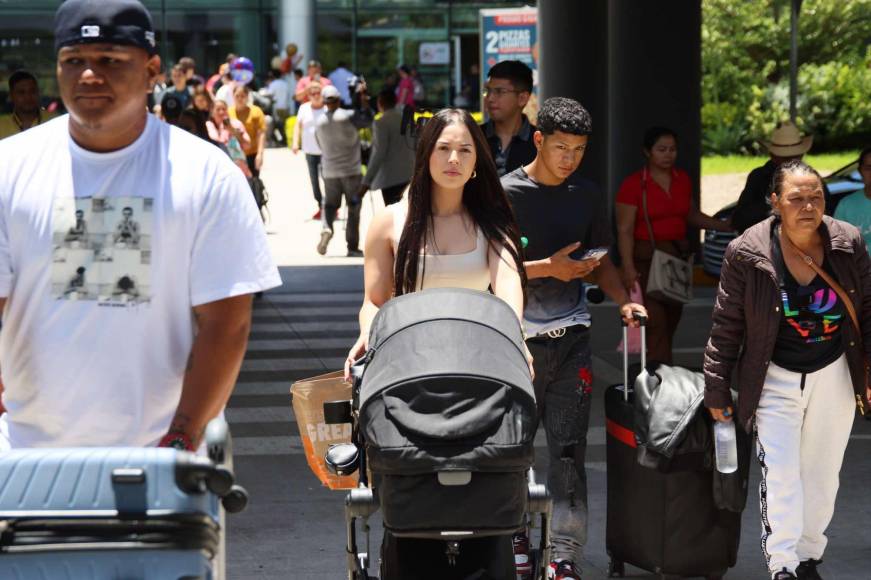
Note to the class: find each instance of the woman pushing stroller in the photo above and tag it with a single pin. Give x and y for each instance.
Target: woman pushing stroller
(453, 229)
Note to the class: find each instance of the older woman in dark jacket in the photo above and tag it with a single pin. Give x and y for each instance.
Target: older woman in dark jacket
(792, 329)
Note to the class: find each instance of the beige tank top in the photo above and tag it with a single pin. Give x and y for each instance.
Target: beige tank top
(470, 270)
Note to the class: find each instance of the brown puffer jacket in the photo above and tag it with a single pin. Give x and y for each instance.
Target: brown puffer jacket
(747, 314)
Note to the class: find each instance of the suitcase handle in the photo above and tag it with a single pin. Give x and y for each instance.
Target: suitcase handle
(642, 322)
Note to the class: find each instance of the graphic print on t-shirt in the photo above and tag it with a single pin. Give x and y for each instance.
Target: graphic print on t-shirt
(102, 250)
(806, 309)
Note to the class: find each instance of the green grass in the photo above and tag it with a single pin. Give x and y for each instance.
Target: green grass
(825, 162)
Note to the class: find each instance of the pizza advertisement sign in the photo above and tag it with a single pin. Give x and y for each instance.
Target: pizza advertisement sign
(509, 34)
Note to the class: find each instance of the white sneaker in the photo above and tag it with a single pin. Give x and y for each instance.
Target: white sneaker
(326, 236)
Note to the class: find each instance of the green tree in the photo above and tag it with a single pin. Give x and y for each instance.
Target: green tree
(745, 70)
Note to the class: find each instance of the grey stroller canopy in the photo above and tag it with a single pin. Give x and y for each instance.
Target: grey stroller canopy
(447, 386)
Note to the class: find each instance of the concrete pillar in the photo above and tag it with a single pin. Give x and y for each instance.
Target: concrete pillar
(297, 24)
(573, 62)
(632, 65)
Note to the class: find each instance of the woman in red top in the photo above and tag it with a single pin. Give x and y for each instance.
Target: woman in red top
(671, 209)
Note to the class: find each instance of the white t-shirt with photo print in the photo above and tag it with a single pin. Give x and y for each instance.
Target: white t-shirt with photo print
(102, 258)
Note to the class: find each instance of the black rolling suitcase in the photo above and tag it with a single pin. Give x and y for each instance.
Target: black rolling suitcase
(662, 522)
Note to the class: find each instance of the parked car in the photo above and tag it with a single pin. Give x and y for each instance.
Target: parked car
(840, 183)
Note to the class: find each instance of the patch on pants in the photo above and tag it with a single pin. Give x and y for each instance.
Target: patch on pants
(585, 380)
(567, 410)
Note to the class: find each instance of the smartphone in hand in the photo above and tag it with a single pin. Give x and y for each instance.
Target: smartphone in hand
(594, 254)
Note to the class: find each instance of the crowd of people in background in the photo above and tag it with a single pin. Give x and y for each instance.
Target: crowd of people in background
(230, 110)
(216, 106)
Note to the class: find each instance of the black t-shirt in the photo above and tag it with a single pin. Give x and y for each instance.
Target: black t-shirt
(810, 336)
(551, 218)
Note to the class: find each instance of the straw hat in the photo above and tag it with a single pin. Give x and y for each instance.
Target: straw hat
(787, 141)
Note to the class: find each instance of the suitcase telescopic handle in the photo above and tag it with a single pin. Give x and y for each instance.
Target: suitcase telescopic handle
(642, 323)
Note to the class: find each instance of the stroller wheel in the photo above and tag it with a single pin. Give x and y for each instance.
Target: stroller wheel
(616, 569)
(539, 568)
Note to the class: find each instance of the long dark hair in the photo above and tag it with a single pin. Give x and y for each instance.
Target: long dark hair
(483, 198)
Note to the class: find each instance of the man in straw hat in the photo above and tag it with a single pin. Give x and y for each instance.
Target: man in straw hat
(786, 143)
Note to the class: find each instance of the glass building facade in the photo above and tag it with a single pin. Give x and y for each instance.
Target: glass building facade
(372, 37)
(204, 29)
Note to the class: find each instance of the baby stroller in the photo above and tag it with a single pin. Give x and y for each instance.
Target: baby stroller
(444, 419)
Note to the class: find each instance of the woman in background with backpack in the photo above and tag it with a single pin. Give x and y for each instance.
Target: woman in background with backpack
(231, 134)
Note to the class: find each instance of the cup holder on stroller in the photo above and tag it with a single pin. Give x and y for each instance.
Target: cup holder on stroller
(447, 438)
(343, 458)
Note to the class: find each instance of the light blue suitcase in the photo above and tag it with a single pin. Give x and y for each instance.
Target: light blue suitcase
(114, 513)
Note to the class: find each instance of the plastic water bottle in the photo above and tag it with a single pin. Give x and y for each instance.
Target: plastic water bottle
(725, 446)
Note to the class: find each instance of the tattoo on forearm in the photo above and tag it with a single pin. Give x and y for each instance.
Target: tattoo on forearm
(179, 423)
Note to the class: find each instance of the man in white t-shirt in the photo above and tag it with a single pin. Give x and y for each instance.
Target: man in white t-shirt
(280, 92)
(304, 131)
(115, 344)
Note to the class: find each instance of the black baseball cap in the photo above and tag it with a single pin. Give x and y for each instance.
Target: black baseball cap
(125, 22)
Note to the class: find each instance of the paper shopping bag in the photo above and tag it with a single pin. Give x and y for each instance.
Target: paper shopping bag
(309, 396)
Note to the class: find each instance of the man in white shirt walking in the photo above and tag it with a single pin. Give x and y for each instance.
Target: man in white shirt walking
(304, 134)
(280, 91)
(147, 348)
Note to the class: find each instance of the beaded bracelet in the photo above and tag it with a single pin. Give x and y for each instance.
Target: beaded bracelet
(177, 440)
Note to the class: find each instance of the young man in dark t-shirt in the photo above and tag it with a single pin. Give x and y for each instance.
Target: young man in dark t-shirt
(561, 216)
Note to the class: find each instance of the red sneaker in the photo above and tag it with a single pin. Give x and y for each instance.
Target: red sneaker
(522, 561)
(317, 215)
(563, 570)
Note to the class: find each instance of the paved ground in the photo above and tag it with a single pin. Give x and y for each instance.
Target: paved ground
(293, 528)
